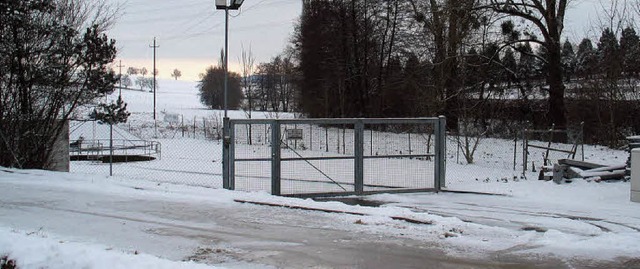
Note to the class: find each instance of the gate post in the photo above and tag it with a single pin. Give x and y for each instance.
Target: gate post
(225, 152)
(275, 158)
(232, 156)
(359, 157)
(441, 151)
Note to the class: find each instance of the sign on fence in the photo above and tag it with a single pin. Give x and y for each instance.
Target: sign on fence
(294, 134)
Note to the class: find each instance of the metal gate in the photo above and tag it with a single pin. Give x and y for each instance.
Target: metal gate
(325, 157)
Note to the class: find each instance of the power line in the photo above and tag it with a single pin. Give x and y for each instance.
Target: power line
(261, 2)
(165, 18)
(144, 6)
(237, 29)
(198, 23)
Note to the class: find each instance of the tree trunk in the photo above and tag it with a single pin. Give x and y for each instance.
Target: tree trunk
(557, 109)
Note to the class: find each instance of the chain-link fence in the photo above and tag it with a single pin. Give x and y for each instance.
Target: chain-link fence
(156, 152)
(316, 156)
(476, 160)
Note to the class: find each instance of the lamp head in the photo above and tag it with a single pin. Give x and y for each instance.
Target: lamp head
(235, 4)
(221, 4)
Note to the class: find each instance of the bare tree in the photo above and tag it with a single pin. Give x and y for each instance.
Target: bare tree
(54, 58)
(547, 17)
(247, 62)
(614, 14)
(132, 71)
(176, 73)
(447, 23)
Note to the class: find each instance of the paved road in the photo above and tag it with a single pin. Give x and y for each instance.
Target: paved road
(232, 235)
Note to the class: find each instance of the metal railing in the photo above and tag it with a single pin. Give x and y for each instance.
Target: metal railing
(96, 149)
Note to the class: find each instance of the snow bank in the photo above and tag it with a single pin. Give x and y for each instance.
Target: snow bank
(39, 250)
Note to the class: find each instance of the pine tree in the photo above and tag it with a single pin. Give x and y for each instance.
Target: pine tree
(568, 60)
(510, 67)
(586, 59)
(113, 113)
(630, 46)
(608, 53)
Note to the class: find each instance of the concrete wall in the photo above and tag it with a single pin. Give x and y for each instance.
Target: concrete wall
(60, 156)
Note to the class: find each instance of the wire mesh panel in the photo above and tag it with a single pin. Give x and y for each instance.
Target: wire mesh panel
(399, 156)
(329, 168)
(251, 147)
(335, 156)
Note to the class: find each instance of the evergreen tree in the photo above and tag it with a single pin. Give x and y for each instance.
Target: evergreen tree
(608, 54)
(492, 68)
(526, 71)
(472, 75)
(568, 60)
(510, 67)
(113, 113)
(541, 65)
(630, 46)
(586, 59)
(211, 88)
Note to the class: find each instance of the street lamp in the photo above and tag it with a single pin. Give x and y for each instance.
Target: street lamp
(234, 5)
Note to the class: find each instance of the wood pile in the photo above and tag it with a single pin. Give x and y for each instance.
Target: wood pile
(566, 170)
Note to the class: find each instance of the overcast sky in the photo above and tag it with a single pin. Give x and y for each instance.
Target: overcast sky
(190, 33)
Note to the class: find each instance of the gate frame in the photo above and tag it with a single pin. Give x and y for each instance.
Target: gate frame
(228, 154)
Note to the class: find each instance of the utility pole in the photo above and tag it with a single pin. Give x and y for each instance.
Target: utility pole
(120, 78)
(154, 76)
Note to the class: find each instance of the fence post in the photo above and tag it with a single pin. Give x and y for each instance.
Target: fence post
(582, 138)
(275, 158)
(311, 137)
(371, 141)
(204, 127)
(359, 157)
(440, 153)
(410, 150)
(232, 155)
(326, 139)
(225, 153)
(525, 151)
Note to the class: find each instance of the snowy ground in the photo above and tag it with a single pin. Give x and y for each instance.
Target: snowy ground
(584, 225)
(140, 219)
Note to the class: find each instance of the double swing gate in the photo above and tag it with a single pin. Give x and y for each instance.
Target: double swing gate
(326, 157)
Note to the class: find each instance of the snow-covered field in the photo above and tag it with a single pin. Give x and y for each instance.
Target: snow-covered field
(89, 220)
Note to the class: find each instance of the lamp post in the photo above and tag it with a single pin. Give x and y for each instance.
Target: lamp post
(234, 5)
